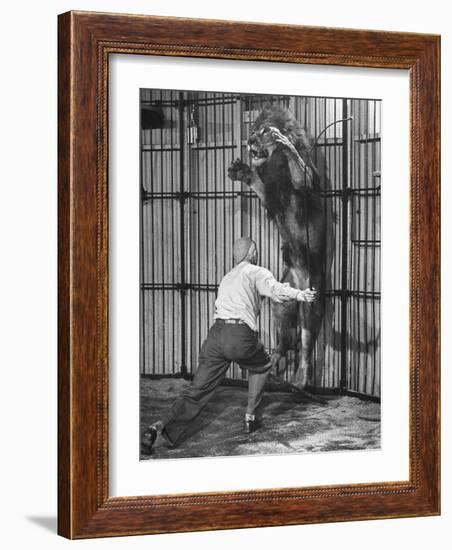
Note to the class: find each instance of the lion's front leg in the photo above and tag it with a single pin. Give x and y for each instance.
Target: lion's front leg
(240, 171)
(301, 173)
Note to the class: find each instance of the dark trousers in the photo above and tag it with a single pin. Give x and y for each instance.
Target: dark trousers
(224, 343)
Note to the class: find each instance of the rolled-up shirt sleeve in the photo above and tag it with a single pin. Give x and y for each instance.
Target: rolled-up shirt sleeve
(268, 286)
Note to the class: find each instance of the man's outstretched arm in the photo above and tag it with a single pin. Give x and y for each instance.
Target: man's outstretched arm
(278, 292)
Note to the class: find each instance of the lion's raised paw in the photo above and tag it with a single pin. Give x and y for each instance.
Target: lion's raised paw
(239, 171)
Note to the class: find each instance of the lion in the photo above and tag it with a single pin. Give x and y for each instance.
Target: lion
(284, 177)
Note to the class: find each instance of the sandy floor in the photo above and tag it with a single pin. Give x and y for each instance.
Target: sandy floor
(292, 424)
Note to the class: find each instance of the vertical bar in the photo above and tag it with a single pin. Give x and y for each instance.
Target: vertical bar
(337, 237)
(198, 97)
(188, 223)
(191, 249)
(152, 202)
(345, 190)
(366, 246)
(183, 366)
(332, 164)
(235, 121)
(219, 269)
(173, 248)
(326, 154)
(258, 239)
(271, 267)
(162, 252)
(207, 157)
(216, 178)
(142, 291)
(218, 276)
(353, 228)
(358, 262)
(223, 123)
(241, 101)
(374, 237)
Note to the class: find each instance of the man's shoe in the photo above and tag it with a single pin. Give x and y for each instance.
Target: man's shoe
(148, 439)
(252, 425)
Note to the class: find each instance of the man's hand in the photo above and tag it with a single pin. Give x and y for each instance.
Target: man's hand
(308, 295)
(283, 140)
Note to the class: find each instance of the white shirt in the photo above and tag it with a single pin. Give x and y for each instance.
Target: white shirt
(242, 290)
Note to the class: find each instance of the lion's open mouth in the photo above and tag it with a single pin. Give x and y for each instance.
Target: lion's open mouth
(258, 153)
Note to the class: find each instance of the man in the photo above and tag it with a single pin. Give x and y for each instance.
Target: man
(232, 337)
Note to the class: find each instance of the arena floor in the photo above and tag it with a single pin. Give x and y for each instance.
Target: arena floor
(292, 423)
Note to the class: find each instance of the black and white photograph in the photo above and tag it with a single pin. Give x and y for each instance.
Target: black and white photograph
(259, 274)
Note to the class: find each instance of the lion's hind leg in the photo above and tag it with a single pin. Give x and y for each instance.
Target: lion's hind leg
(286, 324)
(311, 321)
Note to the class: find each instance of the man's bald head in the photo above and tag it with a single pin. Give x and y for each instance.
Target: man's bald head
(245, 249)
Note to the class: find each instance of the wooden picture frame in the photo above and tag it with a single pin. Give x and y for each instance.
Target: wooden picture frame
(86, 40)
